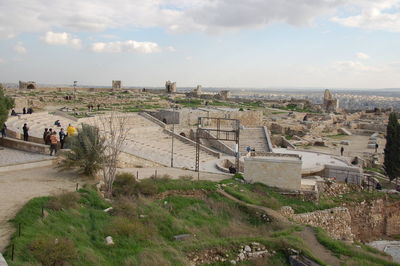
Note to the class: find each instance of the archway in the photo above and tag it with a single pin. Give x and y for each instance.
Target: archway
(30, 87)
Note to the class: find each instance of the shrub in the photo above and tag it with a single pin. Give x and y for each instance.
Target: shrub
(53, 251)
(125, 184)
(147, 187)
(125, 207)
(238, 176)
(64, 201)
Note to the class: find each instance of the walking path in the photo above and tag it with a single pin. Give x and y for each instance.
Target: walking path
(18, 187)
(12, 157)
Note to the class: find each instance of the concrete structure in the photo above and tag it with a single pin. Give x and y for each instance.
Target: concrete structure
(197, 91)
(275, 170)
(189, 117)
(170, 87)
(29, 85)
(330, 103)
(116, 84)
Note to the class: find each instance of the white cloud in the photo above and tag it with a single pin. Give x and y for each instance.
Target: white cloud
(362, 56)
(354, 66)
(61, 38)
(170, 49)
(125, 46)
(172, 15)
(374, 15)
(19, 48)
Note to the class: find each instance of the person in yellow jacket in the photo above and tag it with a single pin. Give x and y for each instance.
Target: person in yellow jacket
(71, 130)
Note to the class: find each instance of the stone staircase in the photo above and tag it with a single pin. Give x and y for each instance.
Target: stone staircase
(253, 137)
(148, 140)
(37, 122)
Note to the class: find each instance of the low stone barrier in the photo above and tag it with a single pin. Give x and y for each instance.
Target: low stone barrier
(24, 145)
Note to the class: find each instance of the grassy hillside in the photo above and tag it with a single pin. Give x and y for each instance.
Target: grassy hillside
(145, 220)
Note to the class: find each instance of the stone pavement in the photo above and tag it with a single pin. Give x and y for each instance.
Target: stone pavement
(13, 157)
(390, 247)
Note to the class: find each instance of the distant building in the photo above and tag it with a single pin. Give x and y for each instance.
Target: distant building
(330, 104)
(224, 95)
(170, 87)
(116, 84)
(29, 85)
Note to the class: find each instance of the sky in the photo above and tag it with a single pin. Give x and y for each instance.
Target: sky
(213, 43)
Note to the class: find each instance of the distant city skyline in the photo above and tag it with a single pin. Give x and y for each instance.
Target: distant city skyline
(234, 44)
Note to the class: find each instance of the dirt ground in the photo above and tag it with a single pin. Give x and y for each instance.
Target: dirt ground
(18, 187)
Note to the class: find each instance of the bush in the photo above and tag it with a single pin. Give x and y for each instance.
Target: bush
(121, 226)
(238, 176)
(125, 207)
(147, 187)
(125, 184)
(64, 201)
(53, 251)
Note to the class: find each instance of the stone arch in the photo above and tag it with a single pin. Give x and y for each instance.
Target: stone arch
(30, 87)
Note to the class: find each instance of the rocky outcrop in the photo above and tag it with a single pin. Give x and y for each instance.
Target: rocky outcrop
(365, 221)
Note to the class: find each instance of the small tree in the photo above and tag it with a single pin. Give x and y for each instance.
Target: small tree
(115, 129)
(87, 151)
(6, 103)
(391, 162)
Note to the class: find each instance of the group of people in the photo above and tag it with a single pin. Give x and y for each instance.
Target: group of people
(50, 136)
(91, 107)
(25, 111)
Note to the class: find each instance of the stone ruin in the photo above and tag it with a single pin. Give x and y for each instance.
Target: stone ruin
(197, 91)
(116, 84)
(224, 95)
(170, 87)
(29, 85)
(330, 103)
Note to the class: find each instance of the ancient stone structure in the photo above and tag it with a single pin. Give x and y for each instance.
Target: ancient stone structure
(170, 87)
(224, 95)
(197, 91)
(330, 103)
(116, 84)
(275, 170)
(30, 85)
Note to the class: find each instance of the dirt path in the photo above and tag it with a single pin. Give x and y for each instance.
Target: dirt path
(18, 187)
(318, 250)
(307, 235)
(270, 212)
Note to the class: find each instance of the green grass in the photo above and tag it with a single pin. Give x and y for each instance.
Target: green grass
(143, 228)
(362, 256)
(377, 170)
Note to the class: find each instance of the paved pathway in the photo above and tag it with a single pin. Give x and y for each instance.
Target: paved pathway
(10, 157)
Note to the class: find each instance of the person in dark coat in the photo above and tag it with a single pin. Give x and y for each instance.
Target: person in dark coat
(4, 131)
(341, 151)
(24, 110)
(45, 133)
(47, 140)
(62, 136)
(25, 130)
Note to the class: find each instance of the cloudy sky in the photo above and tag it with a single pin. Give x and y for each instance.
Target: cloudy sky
(216, 43)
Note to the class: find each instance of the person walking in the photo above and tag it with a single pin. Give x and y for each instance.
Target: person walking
(341, 151)
(45, 133)
(3, 131)
(53, 143)
(24, 111)
(25, 130)
(62, 136)
(47, 141)
(376, 147)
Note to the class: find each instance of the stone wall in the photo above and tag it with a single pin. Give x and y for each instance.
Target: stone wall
(280, 172)
(24, 145)
(365, 221)
(336, 222)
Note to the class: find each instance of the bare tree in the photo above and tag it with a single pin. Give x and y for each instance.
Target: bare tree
(114, 127)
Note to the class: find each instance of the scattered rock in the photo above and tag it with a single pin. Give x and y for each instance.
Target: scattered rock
(247, 248)
(182, 237)
(109, 241)
(108, 209)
